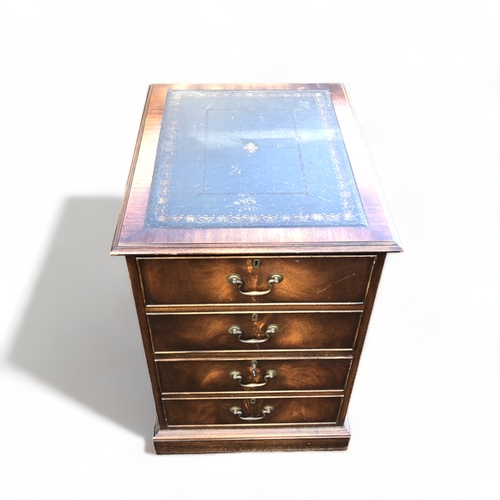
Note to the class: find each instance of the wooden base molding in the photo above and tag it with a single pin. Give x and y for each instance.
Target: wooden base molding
(214, 440)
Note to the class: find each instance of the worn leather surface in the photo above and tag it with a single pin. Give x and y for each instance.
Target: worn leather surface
(252, 159)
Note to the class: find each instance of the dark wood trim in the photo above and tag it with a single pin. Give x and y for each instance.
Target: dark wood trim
(255, 308)
(245, 248)
(365, 320)
(256, 354)
(167, 396)
(130, 178)
(146, 337)
(249, 355)
(227, 440)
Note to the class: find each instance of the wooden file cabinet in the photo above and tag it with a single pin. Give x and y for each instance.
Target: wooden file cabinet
(255, 237)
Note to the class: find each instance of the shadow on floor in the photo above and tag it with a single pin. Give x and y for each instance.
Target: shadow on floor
(80, 333)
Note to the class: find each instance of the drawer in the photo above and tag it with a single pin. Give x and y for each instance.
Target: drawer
(263, 330)
(205, 280)
(258, 411)
(255, 375)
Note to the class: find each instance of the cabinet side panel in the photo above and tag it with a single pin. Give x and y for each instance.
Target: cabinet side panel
(146, 338)
(365, 319)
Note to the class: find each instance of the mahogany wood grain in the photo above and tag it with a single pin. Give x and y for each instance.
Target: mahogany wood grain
(304, 410)
(365, 320)
(146, 339)
(210, 332)
(226, 439)
(291, 375)
(202, 281)
(254, 308)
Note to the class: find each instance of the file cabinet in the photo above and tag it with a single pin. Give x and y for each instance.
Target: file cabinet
(255, 235)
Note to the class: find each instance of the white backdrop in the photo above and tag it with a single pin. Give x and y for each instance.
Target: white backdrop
(75, 405)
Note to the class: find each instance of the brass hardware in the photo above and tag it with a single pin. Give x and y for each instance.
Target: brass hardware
(272, 329)
(235, 279)
(256, 263)
(236, 375)
(255, 317)
(236, 330)
(265, 411)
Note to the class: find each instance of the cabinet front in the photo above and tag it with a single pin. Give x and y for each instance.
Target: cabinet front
(254, 331)
(253, 411)
(255, 280)
(256, 375)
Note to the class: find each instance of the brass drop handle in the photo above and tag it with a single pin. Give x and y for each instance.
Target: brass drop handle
(236, 375)
(236, 330)
(265, 411)
(235, 279)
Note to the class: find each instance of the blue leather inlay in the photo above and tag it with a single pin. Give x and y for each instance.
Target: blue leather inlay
(252, 159)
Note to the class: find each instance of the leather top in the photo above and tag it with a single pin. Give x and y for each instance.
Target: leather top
(265, 158)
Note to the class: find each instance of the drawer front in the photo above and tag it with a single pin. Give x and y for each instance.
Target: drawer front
(240, 375)
(259, 411)
(205, 281)
(201, 332)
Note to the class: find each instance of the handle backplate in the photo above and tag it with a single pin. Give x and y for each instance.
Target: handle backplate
(235, 279)
(236, 330)
(238, 412)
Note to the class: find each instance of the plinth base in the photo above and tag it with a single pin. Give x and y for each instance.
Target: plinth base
(228, 440)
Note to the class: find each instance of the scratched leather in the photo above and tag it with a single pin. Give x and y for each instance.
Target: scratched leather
(252, 159)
